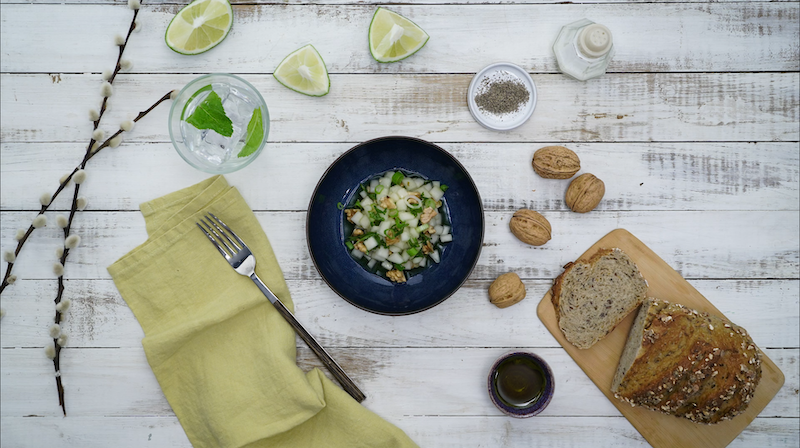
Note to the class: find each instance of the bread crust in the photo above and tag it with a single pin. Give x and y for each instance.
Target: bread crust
(691, 365)
(557, 289)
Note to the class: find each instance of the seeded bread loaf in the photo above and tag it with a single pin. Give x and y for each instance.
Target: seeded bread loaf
(685, 363)
(592, 297)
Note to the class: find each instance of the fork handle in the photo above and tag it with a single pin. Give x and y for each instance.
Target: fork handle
(347, 384)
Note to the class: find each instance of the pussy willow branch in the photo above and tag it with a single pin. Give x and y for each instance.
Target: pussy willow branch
(117, 68)
(91, 151)
(65, 254)
(74, 209)
(88, 156)
(59, 296)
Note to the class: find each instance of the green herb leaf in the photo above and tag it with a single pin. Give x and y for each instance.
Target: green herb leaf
(255, 133)
(397, 178)
(189, 101)
(375, 218)
(339, 205)
(400, 225)
(211, 115)
(443, 187)
(366, 236)
(349, 245)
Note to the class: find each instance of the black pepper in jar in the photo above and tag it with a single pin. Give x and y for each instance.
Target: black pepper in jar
(501, 93)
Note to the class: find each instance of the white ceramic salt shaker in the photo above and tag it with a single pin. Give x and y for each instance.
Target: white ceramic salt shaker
(584, 49)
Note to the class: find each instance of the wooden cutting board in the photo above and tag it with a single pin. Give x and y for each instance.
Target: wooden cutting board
(600, 361)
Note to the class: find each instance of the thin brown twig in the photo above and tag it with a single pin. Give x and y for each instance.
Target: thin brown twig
(117, 68)
(91, 150)
(68, 178)
(59, 296)
(73, 209)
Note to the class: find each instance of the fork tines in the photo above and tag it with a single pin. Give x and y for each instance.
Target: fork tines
(218, 233)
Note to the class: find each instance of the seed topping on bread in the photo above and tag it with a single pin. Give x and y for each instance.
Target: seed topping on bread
(689, 365)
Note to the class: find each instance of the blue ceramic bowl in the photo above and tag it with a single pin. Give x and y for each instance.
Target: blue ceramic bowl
(536, 406)
(326, 233)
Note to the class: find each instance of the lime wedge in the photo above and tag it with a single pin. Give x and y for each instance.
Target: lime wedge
(255, 133)
(199, 26)
(304, 71)
(392, 37)
(210, 114)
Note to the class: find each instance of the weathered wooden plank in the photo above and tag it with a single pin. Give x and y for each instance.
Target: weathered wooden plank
(100, 318)
(616, 108)
(638, 176)
(93, 432)
(458, 432)
(725, 245)
(667, 37)
(236, 3)
(426, 430)
(397, 381)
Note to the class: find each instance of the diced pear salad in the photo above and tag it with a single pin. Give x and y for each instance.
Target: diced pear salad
(398, 224)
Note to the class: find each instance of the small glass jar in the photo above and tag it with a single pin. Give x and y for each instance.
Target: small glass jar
(584, 49)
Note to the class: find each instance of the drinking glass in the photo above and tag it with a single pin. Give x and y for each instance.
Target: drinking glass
(192, 131)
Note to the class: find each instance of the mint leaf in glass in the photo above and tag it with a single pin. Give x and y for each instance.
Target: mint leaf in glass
(255, 133)
(191, 99)
(211, 115)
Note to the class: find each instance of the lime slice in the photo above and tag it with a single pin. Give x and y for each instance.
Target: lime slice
(304, 71)
(392, 37)
(199, 26)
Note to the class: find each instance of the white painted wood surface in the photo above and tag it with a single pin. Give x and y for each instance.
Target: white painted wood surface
(649, 37)
(695, 132)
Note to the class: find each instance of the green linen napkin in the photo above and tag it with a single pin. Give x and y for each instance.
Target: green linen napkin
(223, 356)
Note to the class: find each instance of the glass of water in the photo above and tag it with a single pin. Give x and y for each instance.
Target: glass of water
(219, 123)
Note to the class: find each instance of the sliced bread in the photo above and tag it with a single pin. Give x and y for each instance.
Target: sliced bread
(686, 363)
(592, 297)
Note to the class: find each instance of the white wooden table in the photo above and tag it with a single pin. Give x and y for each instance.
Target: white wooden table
(694, 131)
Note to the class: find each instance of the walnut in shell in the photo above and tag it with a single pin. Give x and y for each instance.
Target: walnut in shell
(530, 227)
(584, 193)
(506, 290)
(556, 162)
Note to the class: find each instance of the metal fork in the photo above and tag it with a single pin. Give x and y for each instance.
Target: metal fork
(243, 262)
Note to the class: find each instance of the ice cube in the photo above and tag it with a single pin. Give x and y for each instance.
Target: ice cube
(218, 145)
(238, 108)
